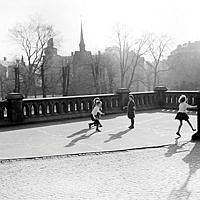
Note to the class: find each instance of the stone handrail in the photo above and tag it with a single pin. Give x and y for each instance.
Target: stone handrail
(55, 108)
(145, 100)
(58, 108)
(16, 110)
(171, 98)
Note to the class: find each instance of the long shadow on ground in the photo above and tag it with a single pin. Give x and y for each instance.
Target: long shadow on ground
(117, 135)
(65, 121)
(82, 137)
(85, 130)
(193, 161)
(175, 148)
(55, 122)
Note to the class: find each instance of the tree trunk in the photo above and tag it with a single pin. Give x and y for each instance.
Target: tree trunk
(68, 77)
(1, 82)
(43, 81)
(64, 80)
(155, 80)
(122, 80)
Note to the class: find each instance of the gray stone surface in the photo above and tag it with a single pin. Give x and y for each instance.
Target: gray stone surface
(168, 173)
(58, 138)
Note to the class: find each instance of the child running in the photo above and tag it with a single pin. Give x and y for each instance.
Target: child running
(182, 113)
(95, 100)
(95, 114)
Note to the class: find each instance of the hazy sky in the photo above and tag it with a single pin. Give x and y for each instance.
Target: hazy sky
(177, 18)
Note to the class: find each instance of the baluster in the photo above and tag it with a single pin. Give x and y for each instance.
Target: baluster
(5, 112)
(108, 104)
(24, 111)
(48, 109)
(75, 107)
(84, 105)
(117, 103)
(69, 107)
(55, 108)
(58, 107)
(142, 101)
(32, 110)
(81, 108)
(111, 104)
(193, 101)
(2, 113)
(72, 106)
(64, 107)
(103, 106)
(40, 110)
(148, 100)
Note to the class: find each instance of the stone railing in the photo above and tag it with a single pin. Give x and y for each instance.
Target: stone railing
(171, 98)
(145, 100)
(54, 108)
(3, 110)
(16, 110)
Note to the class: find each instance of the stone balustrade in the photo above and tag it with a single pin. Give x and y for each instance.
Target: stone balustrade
(145, 100)
(3, 110)
(58, 108)
(171, 98)
(12, 112)
(54, 108)
(16, 110)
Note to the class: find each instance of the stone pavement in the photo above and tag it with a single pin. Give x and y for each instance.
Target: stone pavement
(170, 172)
(167, 173)
(152, 128)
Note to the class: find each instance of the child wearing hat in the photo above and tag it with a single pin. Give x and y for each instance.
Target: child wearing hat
(131, 110)
(95, 114)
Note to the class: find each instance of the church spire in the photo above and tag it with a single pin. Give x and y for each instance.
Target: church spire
(82, 44)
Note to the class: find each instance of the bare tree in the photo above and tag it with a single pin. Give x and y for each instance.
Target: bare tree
(32, 38)
(108, 62)
(95, 62)
(66, 65)
(42, 69)
(158, 47)
(2, 83)
(129, 54)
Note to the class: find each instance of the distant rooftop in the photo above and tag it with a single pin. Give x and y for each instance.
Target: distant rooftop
(5, 62)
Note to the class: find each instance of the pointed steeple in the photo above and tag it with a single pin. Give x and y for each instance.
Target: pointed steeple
(82, 44)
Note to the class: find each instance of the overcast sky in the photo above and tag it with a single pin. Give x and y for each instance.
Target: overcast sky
(177, 18)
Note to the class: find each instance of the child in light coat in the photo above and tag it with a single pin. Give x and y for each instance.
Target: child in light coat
(95, 115)
(182, 113)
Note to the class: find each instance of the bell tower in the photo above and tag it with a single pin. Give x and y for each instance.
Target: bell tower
(82, 43)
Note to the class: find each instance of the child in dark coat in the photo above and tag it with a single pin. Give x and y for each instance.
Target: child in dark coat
(131, 110)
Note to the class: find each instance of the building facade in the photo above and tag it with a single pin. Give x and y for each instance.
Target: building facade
(78, 74)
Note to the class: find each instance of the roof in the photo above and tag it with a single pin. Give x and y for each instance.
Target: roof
(6, 63)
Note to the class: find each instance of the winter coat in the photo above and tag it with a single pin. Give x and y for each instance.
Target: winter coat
(131, 109)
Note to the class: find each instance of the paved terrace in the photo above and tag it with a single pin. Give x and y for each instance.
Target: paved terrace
(167, 173)
(152, 129)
